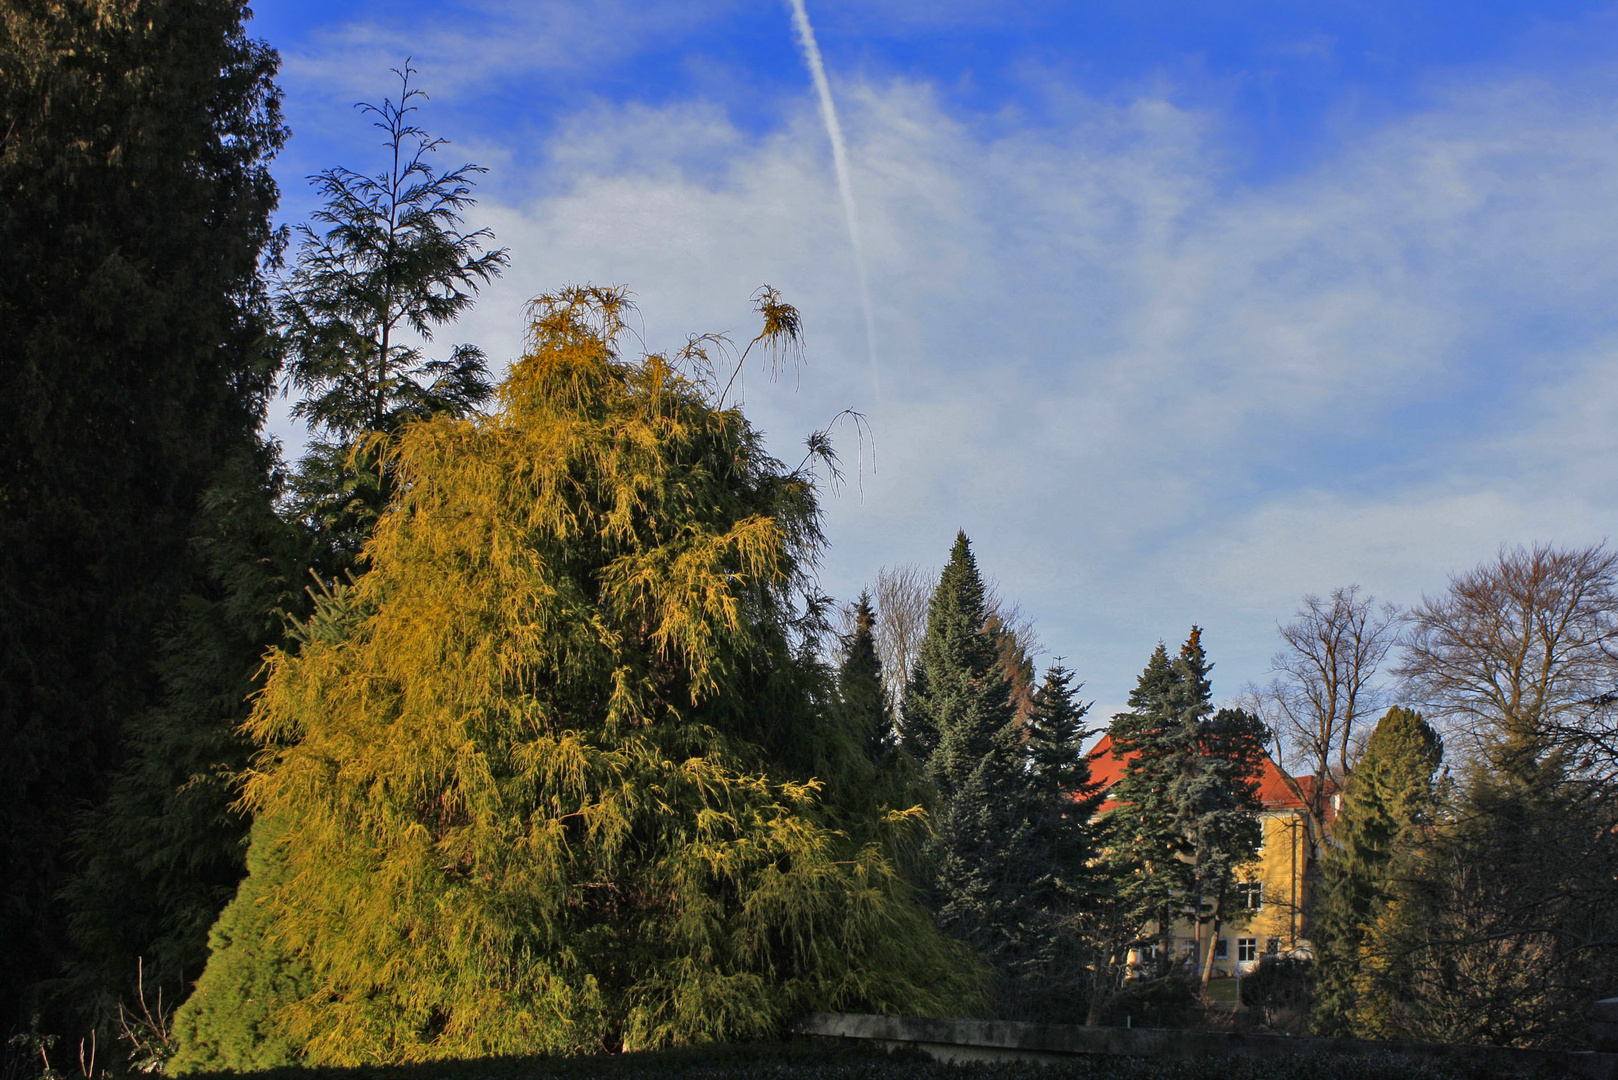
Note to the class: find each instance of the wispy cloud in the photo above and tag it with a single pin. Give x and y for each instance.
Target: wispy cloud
(1151, 393)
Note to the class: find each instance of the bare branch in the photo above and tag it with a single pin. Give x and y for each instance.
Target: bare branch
(1519, 654)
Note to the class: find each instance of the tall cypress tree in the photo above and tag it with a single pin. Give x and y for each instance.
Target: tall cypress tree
(545, 778)
(1392, 795)
(134, 209)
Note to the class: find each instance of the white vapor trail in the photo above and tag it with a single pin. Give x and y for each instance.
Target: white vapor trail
(839, 158)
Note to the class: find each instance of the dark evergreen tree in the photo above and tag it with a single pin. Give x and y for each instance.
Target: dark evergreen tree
(1149, 851)
(389, 259)
(135, 201)
(1186, 817)
(862, 699)
(162, 856)
(1221, 802)
(960, 720)
(1064, 885)
(1059, 779)
(1392, 795)
(1500, 923)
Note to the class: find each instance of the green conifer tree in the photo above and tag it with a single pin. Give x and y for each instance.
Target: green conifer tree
(861, 695)
(1188, 801)
(1063, 883)
(548, 785)
(390, 258)
(960, 718)
(1221, 800)
(135, 203)
(1392, 794)
(1149, 851)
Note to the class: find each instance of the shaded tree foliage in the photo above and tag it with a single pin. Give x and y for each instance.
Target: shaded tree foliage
(1186, 817)
(861, 694)
(1503, 927)
(1065, 886)
(160, 858)
(548, 777)
(387, 264)
(134, 369)
(1010, 863)
(1388, 808)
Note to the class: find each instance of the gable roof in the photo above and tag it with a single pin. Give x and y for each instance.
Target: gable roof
(1107, 768)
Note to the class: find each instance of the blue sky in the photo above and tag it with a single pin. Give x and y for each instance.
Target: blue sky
(1182, 310)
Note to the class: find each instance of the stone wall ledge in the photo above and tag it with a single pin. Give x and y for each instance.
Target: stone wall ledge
(977, 1040)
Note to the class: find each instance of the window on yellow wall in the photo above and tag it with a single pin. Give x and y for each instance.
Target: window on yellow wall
(1250, 894)
(1222, 949)
(1246, 950)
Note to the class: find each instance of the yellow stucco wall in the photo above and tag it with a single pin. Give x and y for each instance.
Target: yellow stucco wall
(1275, 925)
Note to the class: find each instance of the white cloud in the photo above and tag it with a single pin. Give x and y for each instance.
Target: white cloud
(1150, 394)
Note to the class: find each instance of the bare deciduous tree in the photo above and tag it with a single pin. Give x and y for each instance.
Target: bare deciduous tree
(1324, 684)
(902, 594)
(1519, 654)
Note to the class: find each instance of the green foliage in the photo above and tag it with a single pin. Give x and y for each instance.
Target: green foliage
(163, 854)
(1008, 864)
(1186, 819)
(960, 725)
(545, 777)
(1282, 991)
(1062, 882)
(134, 209)
(862, 699)
(229, 1020)
(1501, 925)
(1147, 850)
(1389, 801)
(392, 260)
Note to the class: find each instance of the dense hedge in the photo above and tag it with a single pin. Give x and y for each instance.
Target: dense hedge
(821, 1061)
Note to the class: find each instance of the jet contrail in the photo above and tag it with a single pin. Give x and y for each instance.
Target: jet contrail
(839, 158)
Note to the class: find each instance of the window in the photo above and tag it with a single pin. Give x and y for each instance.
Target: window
(1246, 950)
(1222, 949)
(1188, 948)
(1250, 894)
(1272, 946)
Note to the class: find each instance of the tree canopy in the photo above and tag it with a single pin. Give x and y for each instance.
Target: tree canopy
(548, 776)
(135, 202)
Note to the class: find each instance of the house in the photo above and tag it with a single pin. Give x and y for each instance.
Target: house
(1271, 898)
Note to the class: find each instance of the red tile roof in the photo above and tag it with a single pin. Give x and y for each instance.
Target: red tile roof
(1107, 767)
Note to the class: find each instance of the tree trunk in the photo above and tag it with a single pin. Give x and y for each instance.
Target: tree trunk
(1100, 981)
(1213, 944)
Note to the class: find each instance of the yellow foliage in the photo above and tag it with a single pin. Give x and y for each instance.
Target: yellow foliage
(550, 777)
